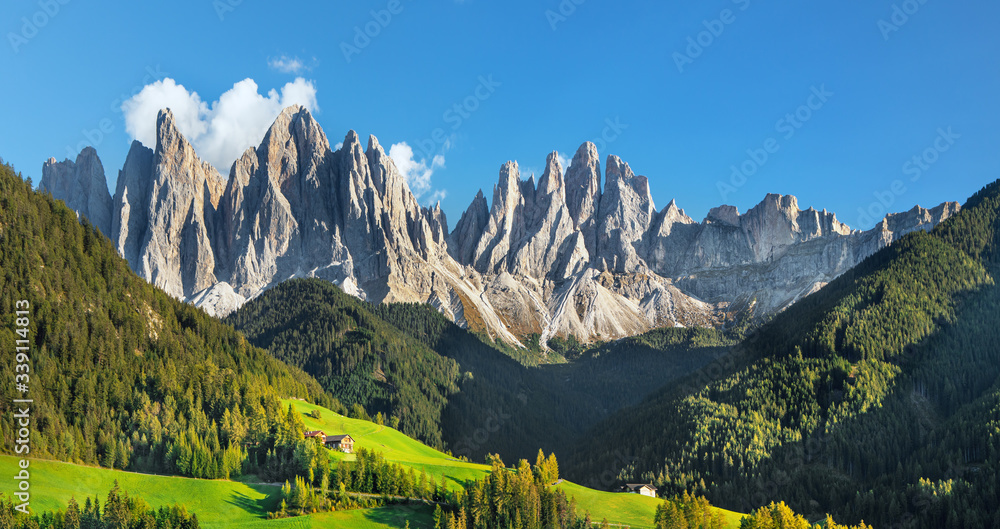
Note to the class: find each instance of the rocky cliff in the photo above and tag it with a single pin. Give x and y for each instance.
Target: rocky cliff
(82, 186)
(164, 211)
(560, 256)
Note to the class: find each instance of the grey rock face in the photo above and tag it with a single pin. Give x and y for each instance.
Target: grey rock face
(544, 250)
(278, 216)
(776, 253)
(176, 252)
(128, 223)
(82, 186)
(470, 229)
(164, 211)
(294, 208)
(621, 267)
(506, 222)
(438, 223)
(558, 257)
(626, 213)
(583, 193)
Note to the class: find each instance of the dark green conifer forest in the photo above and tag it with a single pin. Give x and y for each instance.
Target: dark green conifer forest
(122, 375)
(877, 398)
(449, 387)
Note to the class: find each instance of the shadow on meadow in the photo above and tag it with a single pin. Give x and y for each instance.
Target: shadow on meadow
(419, 516)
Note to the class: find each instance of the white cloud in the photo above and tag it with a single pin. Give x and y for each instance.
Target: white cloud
(286, 64)
(417, 172)
(436, 196)
(219, 132)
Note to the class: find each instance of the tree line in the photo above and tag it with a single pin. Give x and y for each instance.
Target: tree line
(120, 511)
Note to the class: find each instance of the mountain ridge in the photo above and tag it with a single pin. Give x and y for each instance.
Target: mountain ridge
(884, 382)
(560, 257)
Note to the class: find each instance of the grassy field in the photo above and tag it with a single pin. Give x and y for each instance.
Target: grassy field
(396, 447)
(217, 503)
(629, 509)
(53, 483)
(220, 503)
(633, 509)
(419, 518)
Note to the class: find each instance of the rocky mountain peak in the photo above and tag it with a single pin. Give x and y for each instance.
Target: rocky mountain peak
(773, 203)
(168, 137)
(176, 252)
(355, 177)
(583, 193)
(373, 144)
(402, 219)
(469, 229)
(621, 183)
(672, 209)
(626, 214)
(438, 223)
(83, 186)
(294, 109)
(296, 123)
(918, 218)
(551, 181)
(726, 215)
(670, 216)
(616, 171)
(560, 257)
(507, 192)
(527, 189)
(384, 173)
(351, 138)
(294, 150)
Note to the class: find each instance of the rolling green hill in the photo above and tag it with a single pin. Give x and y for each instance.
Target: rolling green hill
(363, 360)
(222, 503)
(122, 375)
(448, 387)
(875, 398)
(217, 503)
(630, 509)
(397, 447)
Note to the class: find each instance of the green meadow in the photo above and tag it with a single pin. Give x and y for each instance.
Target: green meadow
(629, 509)
(217, 503)
(221, 503)
(396, 447)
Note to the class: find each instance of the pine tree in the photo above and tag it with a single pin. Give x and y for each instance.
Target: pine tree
(437, 517)
(72, 520)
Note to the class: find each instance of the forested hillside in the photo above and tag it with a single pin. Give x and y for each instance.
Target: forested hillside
(875, 398)
(122, 375)
(447, 386)
(354, 354)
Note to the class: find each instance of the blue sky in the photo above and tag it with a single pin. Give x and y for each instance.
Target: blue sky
(922, 82)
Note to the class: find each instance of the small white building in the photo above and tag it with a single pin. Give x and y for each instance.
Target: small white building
(641, 488)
